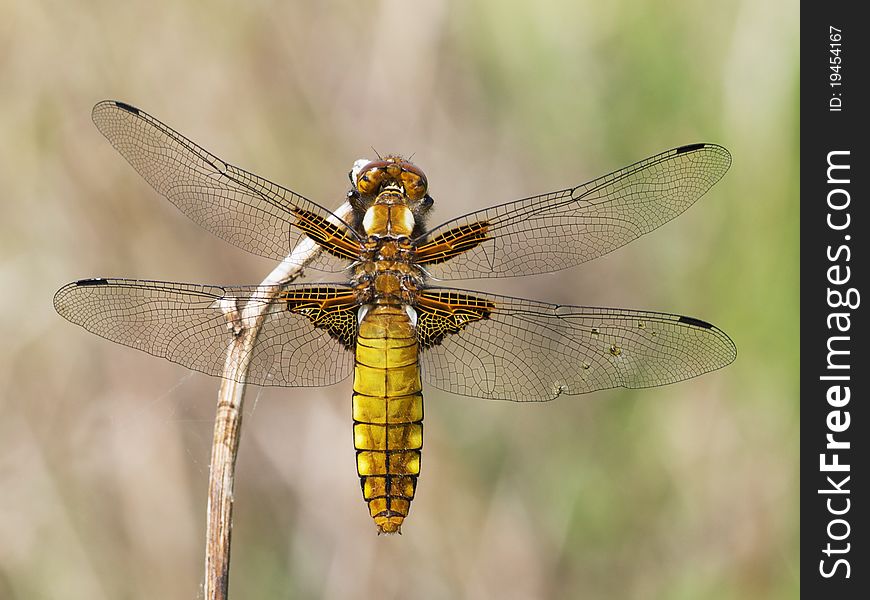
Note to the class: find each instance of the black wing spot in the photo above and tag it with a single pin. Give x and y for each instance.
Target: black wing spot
(689, 148)
(95, 281)
(696, 322)
(127, 107)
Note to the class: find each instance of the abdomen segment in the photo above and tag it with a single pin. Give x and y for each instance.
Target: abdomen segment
(387, 414)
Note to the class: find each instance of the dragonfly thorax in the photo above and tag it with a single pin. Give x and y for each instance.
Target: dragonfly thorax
(389, 216)
(386, 271)
(387, 286)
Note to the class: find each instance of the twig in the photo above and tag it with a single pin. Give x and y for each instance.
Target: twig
(228, 420)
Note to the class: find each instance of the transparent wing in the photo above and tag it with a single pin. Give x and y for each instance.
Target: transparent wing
(191, 325)
(565, 228)
(523, 350)
(239, 207)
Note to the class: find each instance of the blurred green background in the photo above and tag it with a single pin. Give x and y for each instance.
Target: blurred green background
(684, 491)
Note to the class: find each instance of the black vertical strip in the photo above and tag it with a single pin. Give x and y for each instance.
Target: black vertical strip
(388, 484)
(833, 546)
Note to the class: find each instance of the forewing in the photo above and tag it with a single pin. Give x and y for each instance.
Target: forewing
(504, 348)
(565, 228)
(193, 325)
(246, 210)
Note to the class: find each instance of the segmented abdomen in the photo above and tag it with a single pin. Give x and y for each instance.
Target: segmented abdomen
(387, 414)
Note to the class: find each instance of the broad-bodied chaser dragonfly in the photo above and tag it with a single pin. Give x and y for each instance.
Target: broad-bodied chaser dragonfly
(383, 320)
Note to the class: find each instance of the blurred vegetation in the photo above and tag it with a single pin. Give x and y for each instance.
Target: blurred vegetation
(685, 491)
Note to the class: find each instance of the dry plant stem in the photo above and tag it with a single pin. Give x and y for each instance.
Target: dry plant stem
(228, 420)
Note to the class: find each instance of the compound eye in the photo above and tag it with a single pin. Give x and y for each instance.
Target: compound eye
(369, 181)
(414, 184)
(371, 177)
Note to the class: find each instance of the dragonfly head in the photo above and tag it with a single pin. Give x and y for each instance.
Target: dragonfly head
(374, 176)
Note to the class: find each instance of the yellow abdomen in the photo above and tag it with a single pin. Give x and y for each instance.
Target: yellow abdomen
(387, 414)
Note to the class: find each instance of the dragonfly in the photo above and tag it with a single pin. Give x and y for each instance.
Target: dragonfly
(385, 319)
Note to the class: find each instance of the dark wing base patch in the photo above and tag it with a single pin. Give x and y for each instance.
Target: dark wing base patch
(333, 238)
(442, 313)
(332, 309)
(451, 243)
